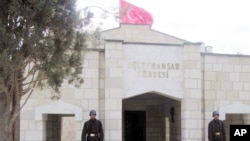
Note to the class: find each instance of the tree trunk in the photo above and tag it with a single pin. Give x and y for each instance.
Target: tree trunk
(5, 130)
(10, 108)
(16, 129)
(9, 129)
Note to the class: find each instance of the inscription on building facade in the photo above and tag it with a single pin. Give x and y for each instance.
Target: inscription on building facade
(153, 69)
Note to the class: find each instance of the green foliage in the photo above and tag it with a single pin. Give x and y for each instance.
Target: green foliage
(43, 39)
(41, 43)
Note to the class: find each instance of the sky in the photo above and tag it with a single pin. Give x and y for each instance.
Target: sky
(222, 24)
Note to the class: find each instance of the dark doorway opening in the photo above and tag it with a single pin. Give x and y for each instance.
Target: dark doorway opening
(60, 127)
(53, 127)
(135, 126)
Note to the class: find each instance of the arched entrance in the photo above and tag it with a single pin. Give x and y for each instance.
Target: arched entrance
(59, 121)
(233, 114)
(151, 117)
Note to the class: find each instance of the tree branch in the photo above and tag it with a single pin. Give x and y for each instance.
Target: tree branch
(26, 99)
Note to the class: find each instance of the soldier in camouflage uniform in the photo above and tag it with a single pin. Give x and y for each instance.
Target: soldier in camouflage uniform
(92, 129)
(216, 130)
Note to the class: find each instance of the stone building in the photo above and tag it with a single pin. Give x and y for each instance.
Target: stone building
(147, 85)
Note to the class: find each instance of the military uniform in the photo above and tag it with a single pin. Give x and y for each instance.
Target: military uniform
(216, 130)
(92, 131)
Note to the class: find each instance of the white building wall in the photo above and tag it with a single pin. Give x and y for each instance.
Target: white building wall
(113, 91)
(86, 98)
(226, 87)
(205, 82)
(191, 104)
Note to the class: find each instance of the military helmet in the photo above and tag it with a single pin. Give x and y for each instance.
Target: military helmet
(92, 112)
(215, 113)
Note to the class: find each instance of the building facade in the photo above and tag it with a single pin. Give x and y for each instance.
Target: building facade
(147, 86)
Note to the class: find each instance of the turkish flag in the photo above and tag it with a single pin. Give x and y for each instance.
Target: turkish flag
(132, 14)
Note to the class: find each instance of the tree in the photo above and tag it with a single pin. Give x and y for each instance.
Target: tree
(41, 42)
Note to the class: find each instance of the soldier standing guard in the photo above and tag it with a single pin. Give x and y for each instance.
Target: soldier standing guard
(92, 129)
(216, 130)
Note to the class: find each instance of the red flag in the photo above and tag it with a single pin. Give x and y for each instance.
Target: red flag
(132, 14)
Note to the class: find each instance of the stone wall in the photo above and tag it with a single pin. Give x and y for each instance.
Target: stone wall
(203, 82)
(192, 105)
(226, 81)
(113, 91)
(86, 97)
(160, 126)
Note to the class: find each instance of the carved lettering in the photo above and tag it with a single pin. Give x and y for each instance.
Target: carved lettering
(153, 69)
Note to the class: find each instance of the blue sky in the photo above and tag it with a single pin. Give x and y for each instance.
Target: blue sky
(222, 24)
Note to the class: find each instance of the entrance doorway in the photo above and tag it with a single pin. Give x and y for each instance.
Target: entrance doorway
(60, 127)
(150, 117)
(135, 126)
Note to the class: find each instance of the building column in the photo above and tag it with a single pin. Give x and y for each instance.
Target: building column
(191, 104)
(113, 91)
(102, 87)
